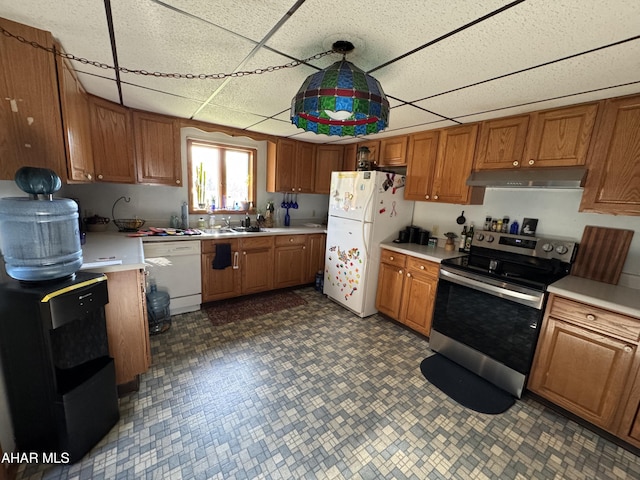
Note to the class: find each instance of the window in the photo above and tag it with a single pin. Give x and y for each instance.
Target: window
(222, 176)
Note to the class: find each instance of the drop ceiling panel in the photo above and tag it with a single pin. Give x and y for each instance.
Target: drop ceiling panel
(155, 38)
(380, 30)
(526, 35)
(158, 102)
(250, 19)
(221, 115)
(93, 83)
(596, 70)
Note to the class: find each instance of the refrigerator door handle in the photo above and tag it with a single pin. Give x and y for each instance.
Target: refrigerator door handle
(362, 222)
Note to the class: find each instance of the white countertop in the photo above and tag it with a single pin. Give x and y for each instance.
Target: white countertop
(298, 230)
(432, 254)
(618, 299)
(111, 252)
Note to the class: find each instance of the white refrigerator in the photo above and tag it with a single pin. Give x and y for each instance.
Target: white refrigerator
(365, 209)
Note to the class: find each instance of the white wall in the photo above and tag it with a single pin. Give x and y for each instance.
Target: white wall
(556, 211)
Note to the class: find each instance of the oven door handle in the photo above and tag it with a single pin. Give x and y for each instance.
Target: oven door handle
(533, 299)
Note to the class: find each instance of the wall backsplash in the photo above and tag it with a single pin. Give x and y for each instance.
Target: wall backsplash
(555, 209)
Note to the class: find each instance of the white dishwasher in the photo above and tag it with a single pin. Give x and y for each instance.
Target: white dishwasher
(175, 266)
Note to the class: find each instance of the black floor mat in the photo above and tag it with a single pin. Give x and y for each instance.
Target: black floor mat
(465, 387)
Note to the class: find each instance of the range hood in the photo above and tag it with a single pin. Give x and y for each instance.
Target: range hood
(547, 177)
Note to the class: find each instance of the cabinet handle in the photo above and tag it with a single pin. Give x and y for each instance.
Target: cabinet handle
(244, 253)
(421, 267)
(427, 197)
(178, 182)
(304, 247)
(391, 257)
(235, 261)
(435, 197)
(100, 177)
(627, 349)
(516, 163)
(408, 275)
(291, 240)
(400, 272)
(88, 176)
(531, 162)
(299, 189)
(591, 317)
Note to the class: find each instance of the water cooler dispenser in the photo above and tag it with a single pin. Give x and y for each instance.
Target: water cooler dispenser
(59, 377)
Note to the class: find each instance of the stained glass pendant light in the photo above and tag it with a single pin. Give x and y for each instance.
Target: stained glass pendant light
(341, 100)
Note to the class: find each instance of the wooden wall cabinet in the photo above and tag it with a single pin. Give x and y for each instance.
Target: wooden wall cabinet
(30, 118)
(127, 325)
(76, 123)
(224, 283)
(584, 361)
(291, 167)
(256, 264)
(374, 150)
(157, 148)
(350, 163)
(613, 181)
(407, 289)
(112, 137)
(439, 163)
(393, 152)
(560, 137)
(328, 159)
(501, 143)
(291, 260)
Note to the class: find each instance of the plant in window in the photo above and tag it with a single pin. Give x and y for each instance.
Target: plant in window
(201, 180)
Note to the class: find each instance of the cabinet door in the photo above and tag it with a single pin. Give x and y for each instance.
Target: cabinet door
(127, 324)
(30, 120)
(257, 264)
(76, 121)
(305, 167)
(560, 137)
(219, 284)
(501, 143)
(393, 151)
(350, 163)
(581, 371)
(281, 166)
(613, 182)
(328, 159)
(421, 162)
(389, 293)
(418, 295)
(315, 255)
(374, 150)
(112, 138)
(453, 164)
(157, 147)
(290, 260)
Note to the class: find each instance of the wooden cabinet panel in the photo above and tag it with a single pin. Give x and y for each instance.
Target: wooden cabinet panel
(30, 119)
(423, 150)
(613, 182)
(350, 163)
(560, 137)
(127, 325)
(581, 371)
(393, 152)
(418, 298)
(157, 147)
(305, 167)
(374, 150)
(291, 167)
(112, 138)
(501, 143)
(328, 159)
(453, 165)
(315, 252)
(390, 282)
(290, 262)
(76, 122)
(219, 284)
(256, 264)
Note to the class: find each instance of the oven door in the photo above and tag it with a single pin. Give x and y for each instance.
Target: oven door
(488, 326)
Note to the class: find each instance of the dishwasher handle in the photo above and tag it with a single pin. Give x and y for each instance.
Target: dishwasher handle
(236, 257)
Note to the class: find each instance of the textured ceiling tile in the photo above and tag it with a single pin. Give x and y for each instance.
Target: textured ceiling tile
(158, 102)
(252, 19)
(596, 70)
(225, 116)
(107, 88)
(275, 127)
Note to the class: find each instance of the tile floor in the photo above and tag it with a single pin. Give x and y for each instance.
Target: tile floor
(315, 392)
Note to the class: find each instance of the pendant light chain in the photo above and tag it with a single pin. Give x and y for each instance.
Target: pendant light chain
(188, 76)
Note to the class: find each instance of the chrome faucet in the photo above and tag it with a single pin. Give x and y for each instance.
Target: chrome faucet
(227, 221)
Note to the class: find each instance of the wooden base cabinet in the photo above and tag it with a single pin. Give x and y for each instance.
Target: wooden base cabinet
(316, 243)
(407, 289)
(218, 284)
(584, 362)
(290, 260)
(127, 324)
(256, 264)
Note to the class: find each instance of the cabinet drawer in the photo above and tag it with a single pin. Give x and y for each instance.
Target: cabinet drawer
(393, 258)
(209, 246)
(421, 265)
(256, 242)
(284, 240)
(596, 319)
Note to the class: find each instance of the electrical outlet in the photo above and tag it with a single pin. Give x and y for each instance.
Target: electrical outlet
(434, 230)
(313, 214)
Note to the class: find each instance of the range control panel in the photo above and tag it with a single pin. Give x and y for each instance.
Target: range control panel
(560, 249)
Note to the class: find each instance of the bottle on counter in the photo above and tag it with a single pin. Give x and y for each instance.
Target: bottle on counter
(469, 239)
(505, 225)
(487, 223)
(463, 239)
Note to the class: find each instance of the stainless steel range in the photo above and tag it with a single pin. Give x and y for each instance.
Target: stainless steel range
(490, 304)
